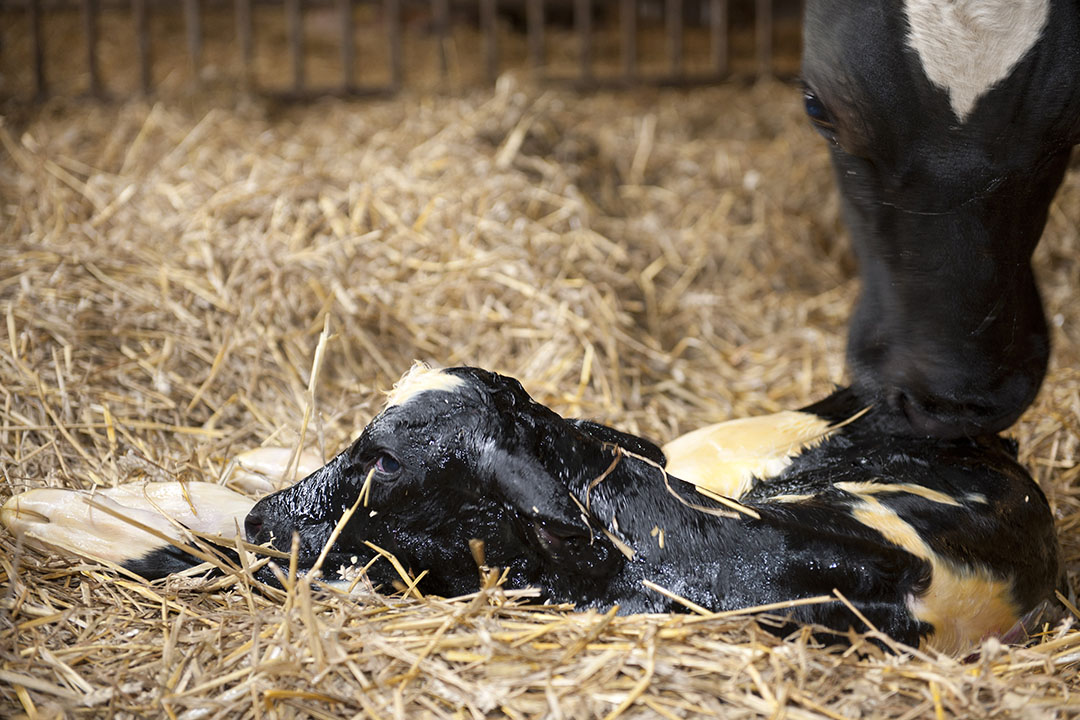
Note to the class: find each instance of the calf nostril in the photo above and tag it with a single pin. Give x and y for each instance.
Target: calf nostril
(253, 525)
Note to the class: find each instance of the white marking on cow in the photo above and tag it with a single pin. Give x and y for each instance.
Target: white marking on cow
(419, 379)
(964, 603)
(968, 46)
(725, 458)
(874, 488)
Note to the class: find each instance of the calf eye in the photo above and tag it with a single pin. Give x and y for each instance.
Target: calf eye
(819, 114)
(386, 464)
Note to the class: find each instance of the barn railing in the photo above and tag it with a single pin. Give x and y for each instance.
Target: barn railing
(574, 28)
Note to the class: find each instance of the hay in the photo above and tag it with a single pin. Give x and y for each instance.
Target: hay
(182, 283)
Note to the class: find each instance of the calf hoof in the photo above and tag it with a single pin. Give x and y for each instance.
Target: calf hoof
(134, 526)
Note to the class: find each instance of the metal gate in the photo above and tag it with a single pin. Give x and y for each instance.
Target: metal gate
(57, 47)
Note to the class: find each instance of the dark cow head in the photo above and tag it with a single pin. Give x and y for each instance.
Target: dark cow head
(951, 125)
(459, 455)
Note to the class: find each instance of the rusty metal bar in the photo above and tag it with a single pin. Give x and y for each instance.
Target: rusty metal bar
(674, 24)
(534, 23)
(308, 95)
(294, 30)
(37, 40)
(764, 23)
(583, 25)
(245, 41)
(141, 20)
(440, 12)
(193, 27)
(393, 31)
(90, 31)
(628, 34)
(718, 35)
(488, 28)
(618, 82)
(348, 44)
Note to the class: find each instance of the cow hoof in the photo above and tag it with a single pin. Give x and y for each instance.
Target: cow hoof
(264, 470)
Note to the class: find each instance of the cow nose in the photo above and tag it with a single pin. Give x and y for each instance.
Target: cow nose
(253, 525)
(950, 413)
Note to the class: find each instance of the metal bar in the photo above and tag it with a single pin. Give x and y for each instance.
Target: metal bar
(37, 40)
(491, 43)
(193, 27)
(393, 32)
(764, 23)
(583, 25)
(618, 82)
(440, 11)
(245, 40)
(348, 44)
(309, 94)
(628, 31)
(718, 35)
(90, 31)
(142, 44)
(534, 22)
(294, 29)
(674, 24)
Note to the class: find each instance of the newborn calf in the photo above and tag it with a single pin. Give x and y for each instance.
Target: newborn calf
(938, 541)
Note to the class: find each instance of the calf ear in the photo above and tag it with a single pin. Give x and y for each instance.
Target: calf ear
(633, 443)
(554, 522)
(536, 493)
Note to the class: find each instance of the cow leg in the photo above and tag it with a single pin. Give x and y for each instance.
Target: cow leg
(136, 526)
(264, 470)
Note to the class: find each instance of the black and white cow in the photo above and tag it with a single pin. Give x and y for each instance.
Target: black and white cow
(945, 541)
(951, 123)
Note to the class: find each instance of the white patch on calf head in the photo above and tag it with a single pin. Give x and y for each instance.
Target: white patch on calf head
(968, 46)
(421, 378)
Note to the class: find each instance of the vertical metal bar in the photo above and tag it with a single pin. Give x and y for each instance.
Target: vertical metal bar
(583, 24)
(491, 43)
(193, 27)
(534, 22)
(674, 23)
(244, 37)
(142, 44)
(718, 35)
(440, 10)
(393, 31)
(628, 31)
(764, 18)
(348, 44)
(37, 39)
(90, 31)
(294, 28)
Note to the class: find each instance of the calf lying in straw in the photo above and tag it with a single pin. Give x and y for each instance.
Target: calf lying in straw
(943, 541)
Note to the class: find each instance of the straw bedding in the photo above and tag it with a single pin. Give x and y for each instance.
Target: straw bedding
(655, 260)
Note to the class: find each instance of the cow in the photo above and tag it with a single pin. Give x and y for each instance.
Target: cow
(950, 125)
(844, 526)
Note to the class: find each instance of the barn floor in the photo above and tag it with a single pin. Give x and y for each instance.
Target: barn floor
(655, 260)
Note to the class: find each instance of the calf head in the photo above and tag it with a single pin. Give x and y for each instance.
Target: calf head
(458, 455)
(950, 125)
